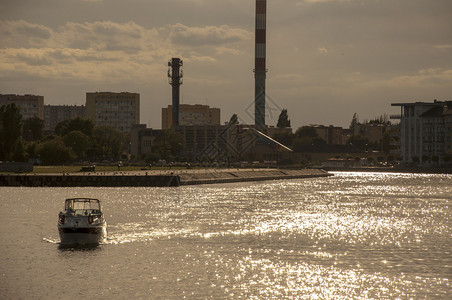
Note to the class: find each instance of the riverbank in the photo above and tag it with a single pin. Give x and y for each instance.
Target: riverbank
(156, 178)
(415, 170)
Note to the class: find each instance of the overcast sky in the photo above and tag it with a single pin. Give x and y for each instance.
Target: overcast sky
(326, 59)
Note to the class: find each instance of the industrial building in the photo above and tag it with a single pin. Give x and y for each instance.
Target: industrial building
(120, 110)
(425, 131)
(30, 105)
(196, 114)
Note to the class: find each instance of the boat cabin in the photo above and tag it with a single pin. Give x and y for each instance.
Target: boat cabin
(82, 206)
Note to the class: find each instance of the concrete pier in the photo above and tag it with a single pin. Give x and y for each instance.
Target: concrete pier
(240, 175)
(156, 178)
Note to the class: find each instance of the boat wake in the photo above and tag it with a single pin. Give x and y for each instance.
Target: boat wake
(51, 241)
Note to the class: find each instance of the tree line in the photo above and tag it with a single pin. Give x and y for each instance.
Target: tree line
(74, 139)
(306, 139)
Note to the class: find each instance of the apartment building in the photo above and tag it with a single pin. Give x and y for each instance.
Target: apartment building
(54, 114)
(120, 110)
(30, 105)
(425, 131)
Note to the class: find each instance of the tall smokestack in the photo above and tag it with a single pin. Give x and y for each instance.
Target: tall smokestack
(260, 67)
(175, 75)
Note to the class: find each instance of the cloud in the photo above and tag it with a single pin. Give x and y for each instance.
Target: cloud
(208, 35)
(109, 36)
(444, 47)
(323, 1)
(109, 51)
(22, 33)
(430, 79)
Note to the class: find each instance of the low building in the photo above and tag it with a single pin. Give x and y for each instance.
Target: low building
(30, 105)
(273, 131)
(191, 115)
(331, 134)
(54, 114)
(373, 132)
(142, 140)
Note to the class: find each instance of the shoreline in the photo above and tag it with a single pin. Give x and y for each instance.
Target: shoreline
(413, 170)
(170, 178)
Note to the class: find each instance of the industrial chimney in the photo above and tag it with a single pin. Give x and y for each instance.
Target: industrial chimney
(175, 75)
(260, 67)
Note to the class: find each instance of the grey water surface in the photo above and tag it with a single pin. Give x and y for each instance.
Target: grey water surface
(351, 236)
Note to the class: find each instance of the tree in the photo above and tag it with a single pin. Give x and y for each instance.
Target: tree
(355, 121)
(425, 158)
(233, 120)
(386, 143)
(306, 131)
(78, 124)
(78, 142)
(11, 125)
(19, 153)
(285, 138)
(306, 138)
(32, 150)
(36, 126)
(302, 144)
(283, 119)
(359, 142)
(109, 141)
(55, 152)
(435, 159)
(169, 144)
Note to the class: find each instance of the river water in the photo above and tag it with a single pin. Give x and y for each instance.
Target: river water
(351, 236)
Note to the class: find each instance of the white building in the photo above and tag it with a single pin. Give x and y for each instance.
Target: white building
(424, 131)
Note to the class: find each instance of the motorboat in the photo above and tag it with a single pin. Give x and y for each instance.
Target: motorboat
(82, 222)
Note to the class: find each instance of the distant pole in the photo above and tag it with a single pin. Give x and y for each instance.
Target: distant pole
(260, 64)
(175, 75)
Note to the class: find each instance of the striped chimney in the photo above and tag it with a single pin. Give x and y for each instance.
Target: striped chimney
(260, 67)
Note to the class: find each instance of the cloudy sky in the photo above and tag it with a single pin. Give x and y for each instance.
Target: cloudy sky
(326, 59)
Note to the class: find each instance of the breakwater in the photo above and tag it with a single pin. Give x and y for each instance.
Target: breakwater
(97, 180)
(249, 175)
(155, 178)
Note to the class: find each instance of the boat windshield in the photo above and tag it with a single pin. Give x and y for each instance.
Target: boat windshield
(82, 204)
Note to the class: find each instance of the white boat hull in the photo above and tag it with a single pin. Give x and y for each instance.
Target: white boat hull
(82, 222)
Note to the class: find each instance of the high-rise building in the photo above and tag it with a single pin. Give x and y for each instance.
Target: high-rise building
(30, 105)
(424, 131)
(120, 110)
(54, 114)
(196, 114)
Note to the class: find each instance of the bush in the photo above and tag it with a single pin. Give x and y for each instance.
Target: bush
(55, 152)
